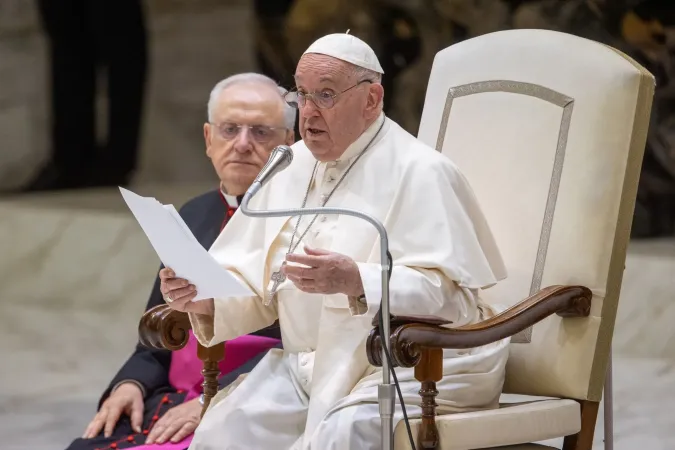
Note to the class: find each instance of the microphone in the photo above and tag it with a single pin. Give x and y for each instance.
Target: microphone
(280, 158)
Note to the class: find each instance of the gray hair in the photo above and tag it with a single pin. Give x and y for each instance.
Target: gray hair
(361, 74)
(290, 113)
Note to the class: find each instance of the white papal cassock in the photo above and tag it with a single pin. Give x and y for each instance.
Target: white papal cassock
(320, 393)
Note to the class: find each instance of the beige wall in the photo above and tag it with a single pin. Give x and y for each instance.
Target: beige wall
(193, 44)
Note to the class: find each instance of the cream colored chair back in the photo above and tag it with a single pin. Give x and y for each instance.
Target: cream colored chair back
(550, 130)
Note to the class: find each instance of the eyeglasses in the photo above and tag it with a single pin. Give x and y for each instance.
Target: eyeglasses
(322, 100)
(260, 133)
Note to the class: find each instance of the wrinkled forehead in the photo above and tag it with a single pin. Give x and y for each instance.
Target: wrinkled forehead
(315, 69)
(250, 104)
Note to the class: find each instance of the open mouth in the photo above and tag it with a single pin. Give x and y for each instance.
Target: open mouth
(314, 132)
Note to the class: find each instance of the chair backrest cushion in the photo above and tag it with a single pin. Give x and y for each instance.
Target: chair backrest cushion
(550, 130)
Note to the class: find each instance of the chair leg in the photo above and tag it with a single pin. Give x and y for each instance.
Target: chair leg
(609, 407)
(210, 356)
(583, 440)
(429, 371)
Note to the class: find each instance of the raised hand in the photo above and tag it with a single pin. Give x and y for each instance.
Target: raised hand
(178, 294)
(327, 273)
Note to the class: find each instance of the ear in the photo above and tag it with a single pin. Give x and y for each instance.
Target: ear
(290, 137)
(375, 98)
(207, 138)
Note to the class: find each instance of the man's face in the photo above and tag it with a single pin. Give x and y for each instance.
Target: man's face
(328, 132)
(247, 123)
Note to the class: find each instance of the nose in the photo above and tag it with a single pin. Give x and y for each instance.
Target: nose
(242, 143)
(309, 109)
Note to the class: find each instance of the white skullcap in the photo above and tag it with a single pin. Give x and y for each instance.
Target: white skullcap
(348, 48)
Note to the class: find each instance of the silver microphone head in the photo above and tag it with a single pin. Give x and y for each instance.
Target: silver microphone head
(279, 159)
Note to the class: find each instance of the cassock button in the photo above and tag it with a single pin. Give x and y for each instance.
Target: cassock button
(324, 198)
(323, 218)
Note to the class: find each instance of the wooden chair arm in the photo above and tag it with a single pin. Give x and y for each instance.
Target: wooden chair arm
(409, 334)
(163, 328)
(419, 342)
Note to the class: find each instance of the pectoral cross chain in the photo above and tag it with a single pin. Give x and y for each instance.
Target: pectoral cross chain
(275, 281)
(278, 277)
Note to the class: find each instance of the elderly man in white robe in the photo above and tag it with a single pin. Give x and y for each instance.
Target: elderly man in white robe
(320, 392)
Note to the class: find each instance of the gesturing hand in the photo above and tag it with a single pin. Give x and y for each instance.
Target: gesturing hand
(128, 399)
(328, 273)
(177, 423)
(178, 294)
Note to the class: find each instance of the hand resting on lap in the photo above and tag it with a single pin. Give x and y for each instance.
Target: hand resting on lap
(127, 399)
(177, 423)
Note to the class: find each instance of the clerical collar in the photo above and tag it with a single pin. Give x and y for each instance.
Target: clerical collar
(360, 144)
(231, 200)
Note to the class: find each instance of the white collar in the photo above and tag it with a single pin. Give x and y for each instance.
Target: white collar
(230, 199)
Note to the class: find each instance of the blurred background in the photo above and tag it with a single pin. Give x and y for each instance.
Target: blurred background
(98, 94)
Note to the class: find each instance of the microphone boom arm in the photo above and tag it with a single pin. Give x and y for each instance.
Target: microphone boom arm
(386, 391)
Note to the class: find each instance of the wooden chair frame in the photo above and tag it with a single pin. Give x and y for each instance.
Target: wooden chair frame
(163, 328)
(419, 343)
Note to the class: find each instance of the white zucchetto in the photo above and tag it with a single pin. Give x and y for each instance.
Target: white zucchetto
(348, 48)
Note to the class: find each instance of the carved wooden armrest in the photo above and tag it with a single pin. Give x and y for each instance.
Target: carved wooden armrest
(410, 334)
(163, 328)
(419, 342)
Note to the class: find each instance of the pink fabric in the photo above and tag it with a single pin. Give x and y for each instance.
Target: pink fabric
(182, 445)
(185, 371)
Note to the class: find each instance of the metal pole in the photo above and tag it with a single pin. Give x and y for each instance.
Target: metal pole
(609, 406)
(386, 391)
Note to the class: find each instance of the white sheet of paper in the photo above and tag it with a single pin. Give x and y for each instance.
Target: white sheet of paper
(178, 249)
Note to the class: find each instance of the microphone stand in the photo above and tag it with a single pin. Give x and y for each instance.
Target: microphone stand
(386, 391)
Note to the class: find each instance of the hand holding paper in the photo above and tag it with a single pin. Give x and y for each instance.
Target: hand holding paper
(178, 249)
(180, 294)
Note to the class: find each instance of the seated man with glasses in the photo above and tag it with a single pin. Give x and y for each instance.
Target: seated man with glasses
(155, 397)
(320, 275)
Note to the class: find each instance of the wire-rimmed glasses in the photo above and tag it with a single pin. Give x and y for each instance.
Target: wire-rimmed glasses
(260, 133)
(322, 100)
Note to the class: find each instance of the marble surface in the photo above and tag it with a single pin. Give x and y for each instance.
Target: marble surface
(75, 272)
(646, 314)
